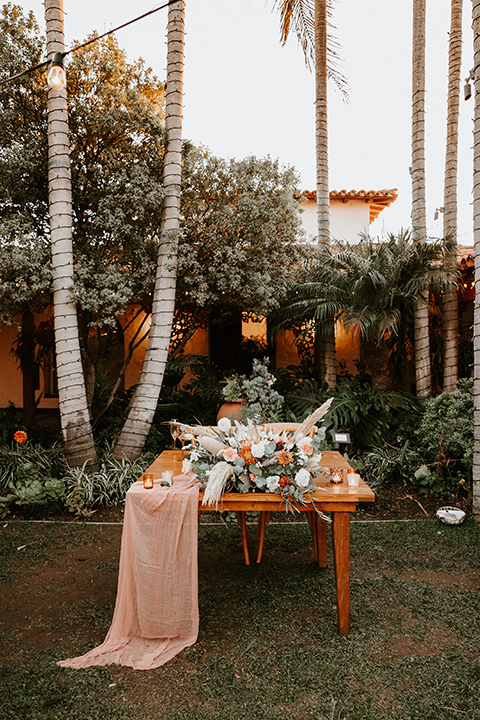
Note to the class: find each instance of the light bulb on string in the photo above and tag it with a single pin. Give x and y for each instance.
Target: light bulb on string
(56, 77)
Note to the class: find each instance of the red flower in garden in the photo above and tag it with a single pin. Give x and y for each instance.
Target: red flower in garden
(20, 437)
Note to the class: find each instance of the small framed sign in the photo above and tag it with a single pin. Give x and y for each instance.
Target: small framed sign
(343, 438)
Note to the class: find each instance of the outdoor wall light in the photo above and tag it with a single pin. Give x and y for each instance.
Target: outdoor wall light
(56, 74)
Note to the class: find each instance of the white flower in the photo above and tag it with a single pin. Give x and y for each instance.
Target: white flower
(302, 478)
(258, 449)
(272, 482)
(186, 466)
(224, 425)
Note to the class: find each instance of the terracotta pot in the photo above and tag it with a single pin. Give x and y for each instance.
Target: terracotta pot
(231, 410)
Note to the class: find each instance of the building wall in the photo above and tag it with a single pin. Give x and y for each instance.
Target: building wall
(348, 220)
(11, 376)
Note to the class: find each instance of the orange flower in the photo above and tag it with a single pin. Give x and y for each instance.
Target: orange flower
(284, 457)
(246, 454)
(20, 437)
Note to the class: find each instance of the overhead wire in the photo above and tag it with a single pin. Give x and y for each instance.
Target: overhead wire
(88, 42)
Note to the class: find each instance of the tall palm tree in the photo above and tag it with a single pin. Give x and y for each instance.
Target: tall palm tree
(419, 215)
(145, 398)
(74, 413)
(450, 297)
(309, 19)
(476, 238)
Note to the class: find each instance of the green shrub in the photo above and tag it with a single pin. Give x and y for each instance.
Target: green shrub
(444, 439)
(86, 490)
(361, 407)
(388, 463)
(49, 461)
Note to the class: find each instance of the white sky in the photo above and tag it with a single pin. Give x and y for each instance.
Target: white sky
(245, 94)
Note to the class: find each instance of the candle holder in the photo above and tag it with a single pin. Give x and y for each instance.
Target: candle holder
(353, 479)
(337, 475)
(147, 481)
(167, 478)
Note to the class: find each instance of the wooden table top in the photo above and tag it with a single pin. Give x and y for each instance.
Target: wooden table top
(326, 492)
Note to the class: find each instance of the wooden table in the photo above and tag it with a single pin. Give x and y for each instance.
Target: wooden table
(340, 500)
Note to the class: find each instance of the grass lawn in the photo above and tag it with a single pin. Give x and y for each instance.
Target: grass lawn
(268, 646)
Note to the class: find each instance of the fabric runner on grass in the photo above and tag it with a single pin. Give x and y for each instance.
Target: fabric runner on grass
(156, 612)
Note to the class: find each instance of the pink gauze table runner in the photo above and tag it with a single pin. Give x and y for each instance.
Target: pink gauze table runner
(156, 612)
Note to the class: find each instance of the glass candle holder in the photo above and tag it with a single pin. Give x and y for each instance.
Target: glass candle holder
(167, 478)
(147, 481)
(337, 475)
(353, 479)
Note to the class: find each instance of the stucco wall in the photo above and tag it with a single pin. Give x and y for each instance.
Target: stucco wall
(348, 220)
(11, 376)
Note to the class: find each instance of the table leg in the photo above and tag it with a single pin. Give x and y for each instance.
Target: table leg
(321, 532)
(341, 551)
(318, 528)
(313, 530)
(260, 534)
(243, 524)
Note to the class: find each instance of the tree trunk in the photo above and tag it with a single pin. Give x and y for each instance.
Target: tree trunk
(476, 240)
(327, 342)
(419, 216)
(450, 297)
(145, 398)
(74, 414)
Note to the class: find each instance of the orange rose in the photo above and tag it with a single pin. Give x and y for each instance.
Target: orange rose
(20, 437)
(284, 457)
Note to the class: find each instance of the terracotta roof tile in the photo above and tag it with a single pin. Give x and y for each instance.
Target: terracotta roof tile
(376, 199)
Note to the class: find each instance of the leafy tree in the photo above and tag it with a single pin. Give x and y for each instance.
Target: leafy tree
(116, 121)
(239, 241)
(241, 228)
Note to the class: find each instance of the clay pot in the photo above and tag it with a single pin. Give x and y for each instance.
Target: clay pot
(231, 410)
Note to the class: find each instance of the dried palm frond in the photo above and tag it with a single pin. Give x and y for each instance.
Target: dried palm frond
(217, 481)
(312, 419)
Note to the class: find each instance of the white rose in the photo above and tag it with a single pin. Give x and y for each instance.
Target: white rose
(224, 425)
(258, 449)
(302, 478)
(272, 482)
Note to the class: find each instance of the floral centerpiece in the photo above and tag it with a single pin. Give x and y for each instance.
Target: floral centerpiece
(248, 458)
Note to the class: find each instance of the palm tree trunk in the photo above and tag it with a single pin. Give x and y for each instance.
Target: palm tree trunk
(323, 193)
(419, 216)
(74, 413)
(145, 398)
(450, 297)
(476, 240)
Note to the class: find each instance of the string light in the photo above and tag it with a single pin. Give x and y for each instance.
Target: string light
(57, 64)
(56, 74)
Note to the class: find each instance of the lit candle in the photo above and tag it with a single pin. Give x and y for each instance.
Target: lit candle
(353, 479)
(337, 475)
(147, 481)
(167, 478)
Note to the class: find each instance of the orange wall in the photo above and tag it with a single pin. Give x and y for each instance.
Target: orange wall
(11, 376)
